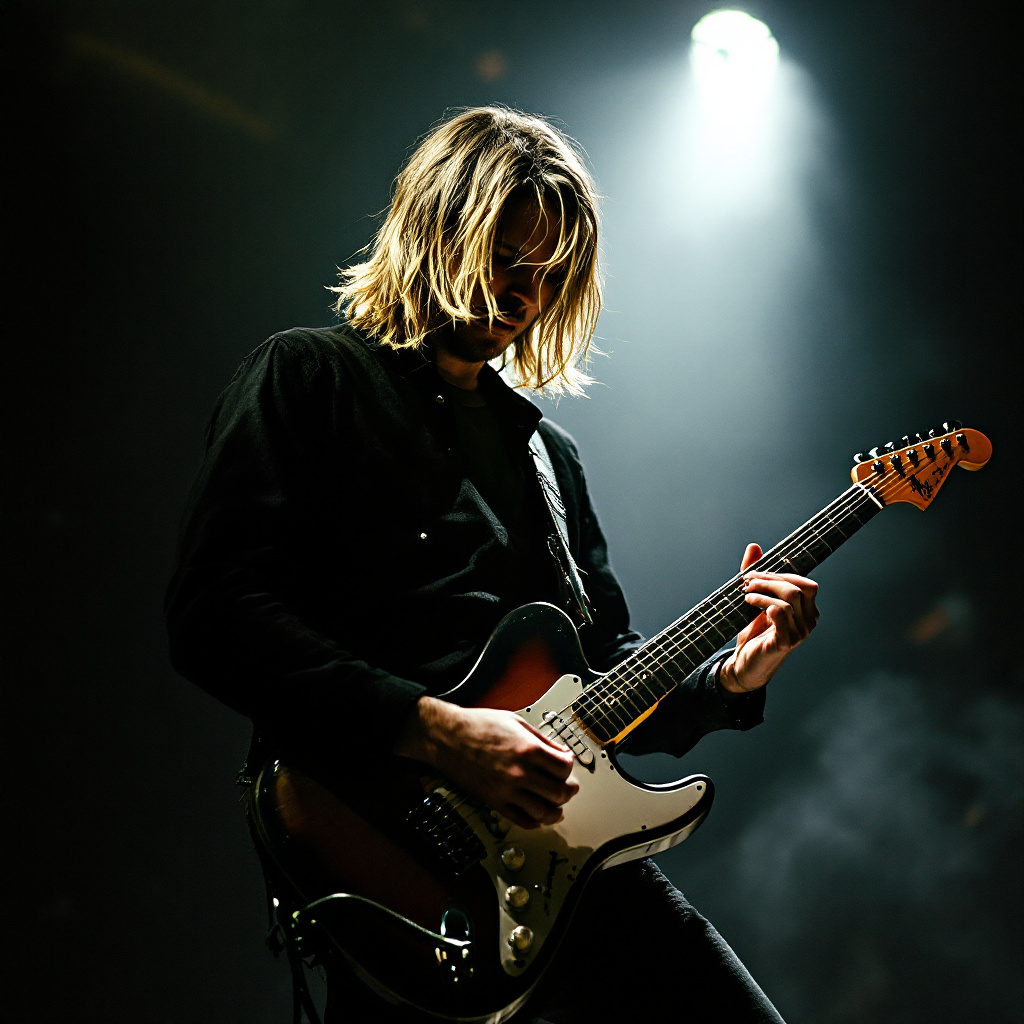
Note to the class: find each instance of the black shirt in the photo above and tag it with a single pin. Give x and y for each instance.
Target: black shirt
(338, 560)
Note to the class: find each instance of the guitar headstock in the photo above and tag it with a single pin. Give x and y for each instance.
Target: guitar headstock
(915, 471)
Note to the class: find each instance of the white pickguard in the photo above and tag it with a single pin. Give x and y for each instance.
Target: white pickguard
(606, 807)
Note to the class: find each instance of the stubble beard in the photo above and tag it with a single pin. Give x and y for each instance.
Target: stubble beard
(473, 343)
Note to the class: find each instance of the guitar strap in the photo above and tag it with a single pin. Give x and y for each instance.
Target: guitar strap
(558, 541)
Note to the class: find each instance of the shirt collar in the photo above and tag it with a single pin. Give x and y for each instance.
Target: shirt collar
(420, 370)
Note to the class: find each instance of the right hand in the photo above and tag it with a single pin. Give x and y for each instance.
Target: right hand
(494, 756)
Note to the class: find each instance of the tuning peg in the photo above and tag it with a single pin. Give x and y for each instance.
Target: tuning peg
(918, 439)
(874, 453)
(860, 457)
(931, 433)
(948, 428)
(905, 441)
(890, 446)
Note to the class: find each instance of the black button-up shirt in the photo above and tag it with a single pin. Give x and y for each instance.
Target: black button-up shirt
(337, 561)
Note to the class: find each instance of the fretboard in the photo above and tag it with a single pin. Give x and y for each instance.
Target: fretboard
(630, 690)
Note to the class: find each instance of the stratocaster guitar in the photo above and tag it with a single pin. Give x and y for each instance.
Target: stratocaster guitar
(440, 904)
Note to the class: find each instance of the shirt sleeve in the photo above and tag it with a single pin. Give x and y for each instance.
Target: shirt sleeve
(238, 625)
(697, 706)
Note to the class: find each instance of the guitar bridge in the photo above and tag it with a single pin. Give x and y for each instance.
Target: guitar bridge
(446, 834)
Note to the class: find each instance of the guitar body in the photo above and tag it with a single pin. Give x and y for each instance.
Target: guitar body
(435, 901)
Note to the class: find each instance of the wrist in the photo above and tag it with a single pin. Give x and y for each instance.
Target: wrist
(727, 682)
(420, 733)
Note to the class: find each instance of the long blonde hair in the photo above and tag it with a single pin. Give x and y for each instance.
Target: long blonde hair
(436, 242)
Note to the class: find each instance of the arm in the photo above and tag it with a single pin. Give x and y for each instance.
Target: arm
(244, 604)
(494, 755)
(245, 607)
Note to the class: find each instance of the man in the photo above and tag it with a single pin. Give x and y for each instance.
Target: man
(368, 509)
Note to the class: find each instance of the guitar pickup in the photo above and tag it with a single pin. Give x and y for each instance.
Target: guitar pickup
(565, 730)
(446, 834)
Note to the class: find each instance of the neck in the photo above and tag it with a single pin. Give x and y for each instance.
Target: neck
(457, 371)
(632, 689)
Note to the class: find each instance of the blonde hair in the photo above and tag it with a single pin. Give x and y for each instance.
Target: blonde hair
(436, 244)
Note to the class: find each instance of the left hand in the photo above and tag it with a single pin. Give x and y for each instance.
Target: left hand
(789, 613)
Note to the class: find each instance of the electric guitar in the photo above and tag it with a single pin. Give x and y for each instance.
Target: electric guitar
(438, 902)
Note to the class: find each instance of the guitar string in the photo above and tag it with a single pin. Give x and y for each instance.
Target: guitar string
(659, 651)
(630, 683)
(630, 680)
(721, 607)
(663, 649)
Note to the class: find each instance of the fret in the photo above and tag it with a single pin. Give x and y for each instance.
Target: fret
(635, 685)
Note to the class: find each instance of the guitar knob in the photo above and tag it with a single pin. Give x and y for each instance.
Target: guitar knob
(520, 939)
(513, 858)
(517, 896)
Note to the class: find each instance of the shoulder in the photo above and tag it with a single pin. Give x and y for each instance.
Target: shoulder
(560, 443)
(310, 358)
(312, 346)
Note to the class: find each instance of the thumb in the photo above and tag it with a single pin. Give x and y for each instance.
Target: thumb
(750, 556)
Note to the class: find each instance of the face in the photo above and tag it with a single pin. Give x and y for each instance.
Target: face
(524, 243)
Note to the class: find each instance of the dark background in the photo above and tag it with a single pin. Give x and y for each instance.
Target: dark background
(180, 182)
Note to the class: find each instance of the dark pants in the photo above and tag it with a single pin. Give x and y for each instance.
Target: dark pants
(635, 952)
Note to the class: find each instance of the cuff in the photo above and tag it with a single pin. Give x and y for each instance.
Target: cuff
(730, 710)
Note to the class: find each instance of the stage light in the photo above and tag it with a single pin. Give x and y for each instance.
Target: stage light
(733, 57)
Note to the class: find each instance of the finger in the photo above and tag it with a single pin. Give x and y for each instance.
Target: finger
(535, 810)
(555, 763)
(787, 631)
(517, 816)
(788, 593)
(756, 628)
(779, 614)
(554, 791)
(750, 556)
(808, 592)
(552, 741)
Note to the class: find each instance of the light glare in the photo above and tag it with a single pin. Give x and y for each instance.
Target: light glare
(734, 56)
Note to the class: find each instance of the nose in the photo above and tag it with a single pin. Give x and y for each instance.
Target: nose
(525, 285)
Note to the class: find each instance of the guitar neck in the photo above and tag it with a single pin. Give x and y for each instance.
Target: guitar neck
(631, 690)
